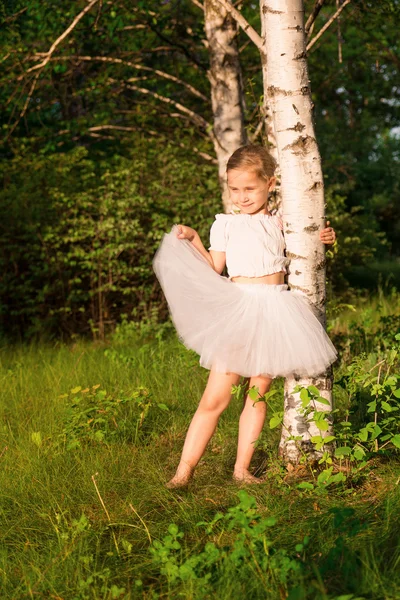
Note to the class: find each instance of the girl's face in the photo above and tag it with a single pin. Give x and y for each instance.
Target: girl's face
(248, 191)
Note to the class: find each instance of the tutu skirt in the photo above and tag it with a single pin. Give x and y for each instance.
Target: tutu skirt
(248, 329)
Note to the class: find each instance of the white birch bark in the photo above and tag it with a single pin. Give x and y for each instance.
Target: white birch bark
(289, 96)
(226, 88)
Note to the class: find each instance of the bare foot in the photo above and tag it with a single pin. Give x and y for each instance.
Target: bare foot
(181, 478)
(245, 476)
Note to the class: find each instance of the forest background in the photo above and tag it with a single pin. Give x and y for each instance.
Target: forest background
(106, 142)
(108, 145)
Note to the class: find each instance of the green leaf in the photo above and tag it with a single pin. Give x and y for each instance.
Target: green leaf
(254, 393)
(371, 406)
(376, 431)
(363, 434)
(275, 421)
(299, 547)
(305, 485)
(36, 438)
(322, 425)
(163, 406)
(173, 529)
(323, 401)
(305, 398)
(313, 390)
(397, 393)
(396, 440)
(386, 406)
(75, 390)
(329, 438)
(317, 439)
(324, 475)
(337, 478)
(359, 453)
(342, 451)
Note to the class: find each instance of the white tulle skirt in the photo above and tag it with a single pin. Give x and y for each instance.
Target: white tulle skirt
(249, 329)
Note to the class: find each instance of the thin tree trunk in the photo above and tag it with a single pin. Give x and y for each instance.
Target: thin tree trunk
(289, 96)
(226, 88)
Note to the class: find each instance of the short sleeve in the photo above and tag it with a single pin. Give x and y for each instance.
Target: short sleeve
(278, 221)
(218, 234)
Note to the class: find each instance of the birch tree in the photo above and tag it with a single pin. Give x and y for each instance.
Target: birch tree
(227, 96)
(289, 95)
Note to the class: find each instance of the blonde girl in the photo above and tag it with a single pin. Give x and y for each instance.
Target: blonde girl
(247, 325)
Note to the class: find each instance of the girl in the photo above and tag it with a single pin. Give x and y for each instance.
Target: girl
(249, 325)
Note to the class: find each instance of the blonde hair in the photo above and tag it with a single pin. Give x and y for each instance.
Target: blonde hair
(255, 158)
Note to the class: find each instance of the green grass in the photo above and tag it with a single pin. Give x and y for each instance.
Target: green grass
(59, 541)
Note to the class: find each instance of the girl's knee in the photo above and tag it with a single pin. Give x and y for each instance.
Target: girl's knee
(263, 384)
(214, 403)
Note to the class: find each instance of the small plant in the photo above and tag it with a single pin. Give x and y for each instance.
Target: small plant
(248, 546)
(94, 416)
(377, 434)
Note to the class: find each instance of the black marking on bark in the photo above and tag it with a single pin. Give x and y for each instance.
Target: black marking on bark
(302, 425)
(298, 127)
(292, 256)
(298, 287)
(320, 265)
(302, 146)
(295, 109)
(291, 402)
(288, 231)
(317, 185)
(297, 272)
(312, 227)
(297, 28)
(305, 90)
(274, 91)
(267, 9)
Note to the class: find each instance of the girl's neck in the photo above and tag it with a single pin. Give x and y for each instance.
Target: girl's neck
(260, 211)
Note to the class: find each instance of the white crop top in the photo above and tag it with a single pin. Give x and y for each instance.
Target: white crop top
(254, 244)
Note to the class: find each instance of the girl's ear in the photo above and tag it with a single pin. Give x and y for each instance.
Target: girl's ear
(271, 183)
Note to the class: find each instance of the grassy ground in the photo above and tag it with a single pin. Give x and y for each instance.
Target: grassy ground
(82, 497)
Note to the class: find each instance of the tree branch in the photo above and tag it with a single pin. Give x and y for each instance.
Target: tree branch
(93, 132)
(109, 59)
(194, 117)
(15, 15)
(325, 27)
(199, 4)
(239, 18)
(253, 136)
(62, 37)
(314, 14)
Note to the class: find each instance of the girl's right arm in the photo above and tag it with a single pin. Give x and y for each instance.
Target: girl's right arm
(216, 259)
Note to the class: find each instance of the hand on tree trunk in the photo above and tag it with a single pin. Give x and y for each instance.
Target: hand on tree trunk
(327, 235)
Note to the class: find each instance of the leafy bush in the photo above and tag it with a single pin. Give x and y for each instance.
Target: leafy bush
(93, 416)
(79, 233)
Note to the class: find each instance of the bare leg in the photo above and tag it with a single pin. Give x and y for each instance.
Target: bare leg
(250, 426)
(215, 399)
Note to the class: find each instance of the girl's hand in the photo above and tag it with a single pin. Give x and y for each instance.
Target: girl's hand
(327, 235)
(186, 233)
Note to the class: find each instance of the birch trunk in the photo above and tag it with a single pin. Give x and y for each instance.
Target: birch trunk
(226, 88)
(289, 97)
(275, 200)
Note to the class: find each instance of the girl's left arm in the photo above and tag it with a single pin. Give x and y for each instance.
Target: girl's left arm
(327, 235)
